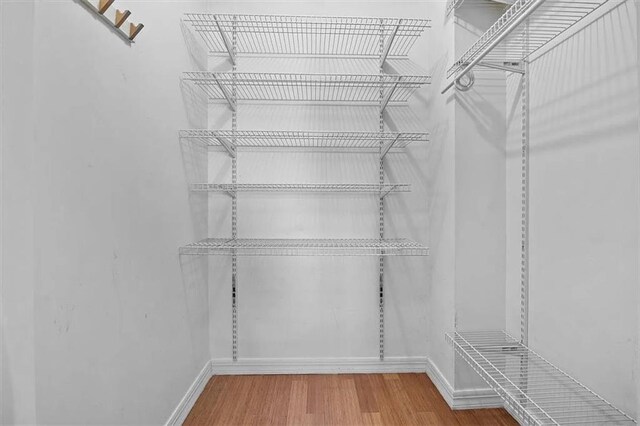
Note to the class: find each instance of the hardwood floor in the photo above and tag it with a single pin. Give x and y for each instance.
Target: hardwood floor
(346, 399)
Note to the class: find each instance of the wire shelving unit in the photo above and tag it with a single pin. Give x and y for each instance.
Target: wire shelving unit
(535, 391)
(377, 39)
(305, 247)
(306, 35)
(352, 88)
(338, 141)
(453, 5)
(372, 188)
(526, 27)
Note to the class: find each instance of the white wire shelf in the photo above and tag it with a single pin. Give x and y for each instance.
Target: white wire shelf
(232, 189)
(307, 87)
(339, 141)
(306, 35)
(453, 5)
(534, 391)
(305, 247)
(523, 29)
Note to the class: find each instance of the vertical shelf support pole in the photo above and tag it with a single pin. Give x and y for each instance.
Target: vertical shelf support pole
(383, 103)
(234, 204)
(230, 49)
(389, 145)
(387, 98)
(387, 47)
(524, 260)
(229, 146)
(231, 98)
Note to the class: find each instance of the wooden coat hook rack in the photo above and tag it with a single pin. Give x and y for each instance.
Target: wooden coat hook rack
(114, 20)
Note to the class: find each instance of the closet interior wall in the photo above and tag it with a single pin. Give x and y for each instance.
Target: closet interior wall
(319, 308)
(102, 323)
(584, 203)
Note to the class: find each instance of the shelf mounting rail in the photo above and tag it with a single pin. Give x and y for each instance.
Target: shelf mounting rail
(526, 27)
(534, 391)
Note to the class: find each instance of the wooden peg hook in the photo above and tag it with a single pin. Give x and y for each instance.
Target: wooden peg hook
(104, 5)
(121, 17)
(134, 30)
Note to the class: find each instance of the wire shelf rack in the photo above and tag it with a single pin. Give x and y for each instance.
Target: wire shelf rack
(534, 391)
(231, 188)
(307, 87)
(453, 5)
(305, 247)
(258, 139)
(306, 35)
(523, 37)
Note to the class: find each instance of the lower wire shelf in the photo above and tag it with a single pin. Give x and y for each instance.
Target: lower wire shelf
(381, 189)
(305, 247)
(534, 391)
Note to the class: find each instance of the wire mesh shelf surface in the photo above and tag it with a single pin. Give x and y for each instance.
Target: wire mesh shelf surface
(256, 139)
(301, 187)
(550, 19)
(453, 5)
(305, 247)
(307, 87)
(306, 35)
(535, 392)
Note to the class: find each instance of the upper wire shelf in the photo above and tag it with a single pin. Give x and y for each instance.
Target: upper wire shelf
(374, 188)
(453, 5)
(534, 391)
(307, 87)
(526, 27)
(306, 35)
(338, 141)
(305, 247)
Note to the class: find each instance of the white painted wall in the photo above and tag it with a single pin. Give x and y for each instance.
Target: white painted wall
(480, 140)
(114, 326)
(316, 307)
(17, 380)
(441, 200)
(585, 199)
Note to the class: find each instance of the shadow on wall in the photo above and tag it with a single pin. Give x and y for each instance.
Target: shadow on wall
(197, 54)
(194, 159)
(437, 199)
(194, 271)
(590, 80)
(6, 390)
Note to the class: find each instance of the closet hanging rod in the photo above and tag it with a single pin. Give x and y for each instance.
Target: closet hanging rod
(495, 42)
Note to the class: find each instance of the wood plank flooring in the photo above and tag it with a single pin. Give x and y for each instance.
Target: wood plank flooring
(345, 399)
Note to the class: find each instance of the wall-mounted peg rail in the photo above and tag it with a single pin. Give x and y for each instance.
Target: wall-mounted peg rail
(114, 20)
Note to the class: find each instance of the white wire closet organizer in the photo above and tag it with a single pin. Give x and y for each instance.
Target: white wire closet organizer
(338, 141)
(535, 392)
(352, 88)
(371, 188)
(305, 247)
(374, 39)
(306, 35)
(526, 27)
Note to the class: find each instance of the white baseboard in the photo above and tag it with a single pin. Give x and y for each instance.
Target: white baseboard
(318, 365)
(189, 399)
(464, 399)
